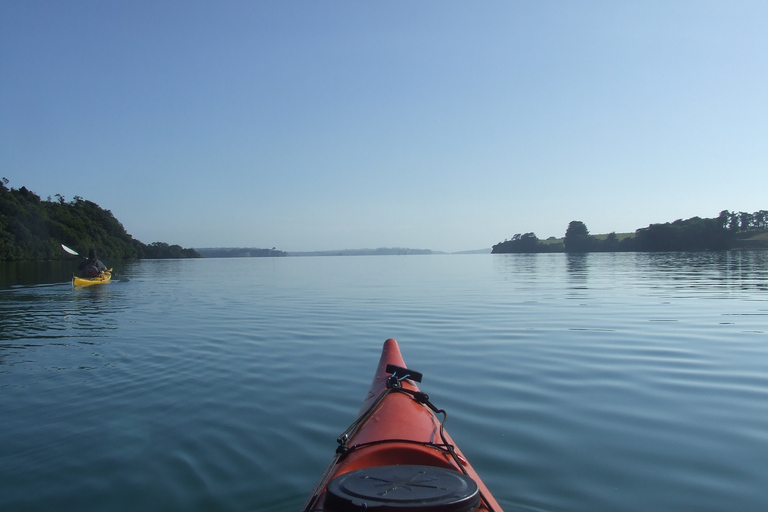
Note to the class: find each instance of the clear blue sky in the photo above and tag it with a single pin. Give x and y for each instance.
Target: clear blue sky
(445, 125)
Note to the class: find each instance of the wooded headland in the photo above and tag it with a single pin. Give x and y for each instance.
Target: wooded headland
(729, 230)
(34, 229)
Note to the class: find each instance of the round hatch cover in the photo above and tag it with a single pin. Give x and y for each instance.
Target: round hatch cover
(399, 488)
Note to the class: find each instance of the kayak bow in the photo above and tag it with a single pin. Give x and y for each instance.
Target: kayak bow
(397, 456)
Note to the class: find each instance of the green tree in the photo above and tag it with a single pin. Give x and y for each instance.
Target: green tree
(724, 219)
(694, 234)
(527, 242)
(746, 220)
(761, 219)
(611, 243)
(577, 237)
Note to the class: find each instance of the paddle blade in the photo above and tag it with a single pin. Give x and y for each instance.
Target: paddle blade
(70, 251)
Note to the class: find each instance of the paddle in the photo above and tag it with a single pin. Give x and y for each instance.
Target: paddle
(75, 253)
(71, 251)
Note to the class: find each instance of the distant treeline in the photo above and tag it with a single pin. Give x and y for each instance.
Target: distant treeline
(34, 229)
(240, 252)
(726, 231)
(381, 251)
(161, 251)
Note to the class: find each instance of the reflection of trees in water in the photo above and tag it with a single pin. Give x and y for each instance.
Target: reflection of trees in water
(712, 269)
(519, 263)
(55, 315)
(36, 273)
(747, 269)
(27, 273)
(530, 271)
(693, 270)
(542, 265)
(577, 265)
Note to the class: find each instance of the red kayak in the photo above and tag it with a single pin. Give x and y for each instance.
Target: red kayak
(397, 456)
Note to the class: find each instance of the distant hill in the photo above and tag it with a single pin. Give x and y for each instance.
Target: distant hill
(382, 251)
(239, 252)
(476, 251)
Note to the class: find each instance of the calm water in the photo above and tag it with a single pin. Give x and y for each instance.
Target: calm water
(629, 382)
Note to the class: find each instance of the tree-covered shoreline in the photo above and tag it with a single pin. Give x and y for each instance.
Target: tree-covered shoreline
(34, 229)
(729, 230)
(239, 252)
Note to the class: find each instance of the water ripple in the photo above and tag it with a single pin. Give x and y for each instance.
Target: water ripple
(626, 382)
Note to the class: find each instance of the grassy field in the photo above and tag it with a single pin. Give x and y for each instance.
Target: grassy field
(760, 236)
(753, 240)
(621, 236)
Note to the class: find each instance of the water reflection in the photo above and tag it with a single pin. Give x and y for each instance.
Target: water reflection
(30, 273)
(517, 263)
(577, 265)
(197, 377)
(54, 315)
(746, 270)
(535, 266)
(15, 274)
(725, 269)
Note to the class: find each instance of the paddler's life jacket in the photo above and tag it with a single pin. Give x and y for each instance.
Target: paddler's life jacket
(90, 270)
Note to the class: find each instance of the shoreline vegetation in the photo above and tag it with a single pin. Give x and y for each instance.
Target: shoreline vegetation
(33, 229)
(239, 252)
(380, 251)
(727, 231)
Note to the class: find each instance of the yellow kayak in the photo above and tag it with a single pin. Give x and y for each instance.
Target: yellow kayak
(105, 277)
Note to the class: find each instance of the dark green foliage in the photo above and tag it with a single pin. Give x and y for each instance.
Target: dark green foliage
(577, 238)
(525, 243)
(33, 229)
(161, 250)
(695, 234)
(240, 252)
(726, 231)
(611, 243)
(743, 222)
(576, 228)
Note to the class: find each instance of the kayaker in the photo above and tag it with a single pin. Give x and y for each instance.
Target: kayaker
(92, 267)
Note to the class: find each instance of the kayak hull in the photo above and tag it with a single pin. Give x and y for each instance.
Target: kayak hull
(105, 277)
(397, 430)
